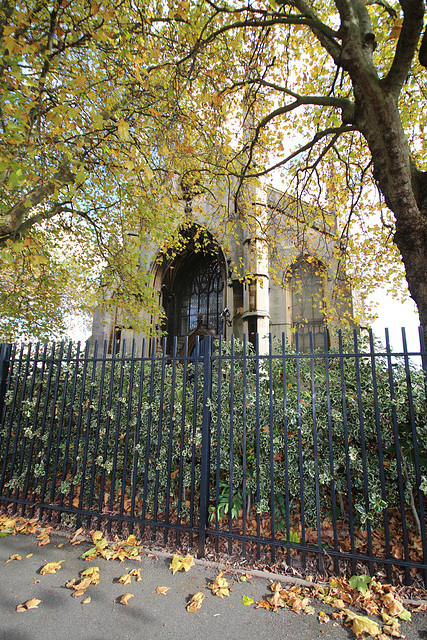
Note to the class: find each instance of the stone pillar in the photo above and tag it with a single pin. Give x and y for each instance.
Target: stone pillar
(256, 306)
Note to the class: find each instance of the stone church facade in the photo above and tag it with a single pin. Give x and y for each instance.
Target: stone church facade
(254, 269)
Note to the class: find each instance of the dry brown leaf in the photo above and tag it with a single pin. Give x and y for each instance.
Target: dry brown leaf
(84, 583)
(362, 624)
(125, 598)
(195, 602)
(246, 578)
(219, 586)
(15, 556)
(86, 600)
(392, 629)
(338, 603)
(136, 573)
(78, 592)
(323, 618)
(51, 567)
(74, 540)
(395, 608)
(92, 573)
(97, 535)
(43, 540)
(162, 590)
(33, 603)
(70, 583)
(276, 600)
(125, 578)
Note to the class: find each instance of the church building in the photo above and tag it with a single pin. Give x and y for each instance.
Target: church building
(267, 265)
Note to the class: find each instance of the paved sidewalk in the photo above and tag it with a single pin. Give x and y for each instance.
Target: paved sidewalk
(148, 615)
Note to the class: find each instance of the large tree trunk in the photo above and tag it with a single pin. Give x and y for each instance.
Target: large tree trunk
(377, 117)
(404, 189)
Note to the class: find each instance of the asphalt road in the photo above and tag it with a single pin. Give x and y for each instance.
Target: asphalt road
(147, 615)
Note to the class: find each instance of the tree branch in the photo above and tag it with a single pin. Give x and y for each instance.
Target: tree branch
(385, 5)
(413, 15)
(326, 36)
(39, 217)
(335, 131)
(11, 221)
(324, 33)
(328, 101)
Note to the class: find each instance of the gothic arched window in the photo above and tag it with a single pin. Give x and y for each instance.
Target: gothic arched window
(307, 286)
(193, 287)
(199, 294)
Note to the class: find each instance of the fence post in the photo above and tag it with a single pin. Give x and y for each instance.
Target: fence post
(5, 350)
(206, 435)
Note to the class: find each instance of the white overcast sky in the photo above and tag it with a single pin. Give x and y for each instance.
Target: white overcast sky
(394, 315)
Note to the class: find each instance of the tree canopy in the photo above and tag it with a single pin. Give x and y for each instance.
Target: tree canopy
(111, 113)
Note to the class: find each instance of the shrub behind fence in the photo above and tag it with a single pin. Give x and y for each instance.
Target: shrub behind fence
(320, 452)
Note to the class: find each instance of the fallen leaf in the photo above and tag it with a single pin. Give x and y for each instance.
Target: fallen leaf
(124, 599)
(219, 586)
(175, 564)
(162, 590)
(195, 602)
(33, 603)
(323, 617)
(247, 601)
(276, 600)
(15, 556)
(392, 628)
(125, 578)
(262, 604)
(362, 624)
(74, 540)
(97, 535)
(246, 578)
(178, 564)
(90, 571)
(43, 537)
(29, 555)
(187, 562)
(70, 583)
(136, 573)
(361, 583)
(51, 567)
(86, 600)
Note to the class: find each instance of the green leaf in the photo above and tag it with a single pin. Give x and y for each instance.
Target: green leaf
(360, 583)
(405, 615)
(247, 601)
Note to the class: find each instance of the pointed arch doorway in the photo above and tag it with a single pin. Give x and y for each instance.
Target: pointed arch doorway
(192, 289)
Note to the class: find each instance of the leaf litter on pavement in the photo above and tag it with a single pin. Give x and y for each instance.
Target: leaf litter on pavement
(367, 596)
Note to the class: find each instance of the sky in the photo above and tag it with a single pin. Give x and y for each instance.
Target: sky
(394, 315)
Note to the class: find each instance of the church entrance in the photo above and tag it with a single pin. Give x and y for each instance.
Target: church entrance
(192, 289)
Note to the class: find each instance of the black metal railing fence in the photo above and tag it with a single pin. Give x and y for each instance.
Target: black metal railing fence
(320, 454)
